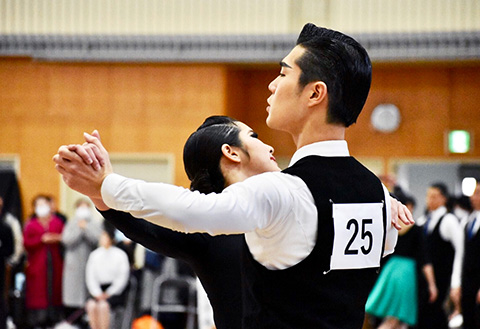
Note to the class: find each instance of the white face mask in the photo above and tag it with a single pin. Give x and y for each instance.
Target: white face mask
(42, 210)
(83, 213)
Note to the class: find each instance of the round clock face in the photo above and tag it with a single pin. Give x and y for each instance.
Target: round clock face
(385, 118)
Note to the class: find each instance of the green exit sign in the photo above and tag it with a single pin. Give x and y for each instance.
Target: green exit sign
(459, 141)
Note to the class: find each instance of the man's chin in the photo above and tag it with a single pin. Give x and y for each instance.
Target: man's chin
(272, 123)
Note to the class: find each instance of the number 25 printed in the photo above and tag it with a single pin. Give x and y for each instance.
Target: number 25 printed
(366, 236)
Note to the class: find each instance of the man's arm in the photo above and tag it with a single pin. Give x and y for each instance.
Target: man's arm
(451, 230)
(164, 204)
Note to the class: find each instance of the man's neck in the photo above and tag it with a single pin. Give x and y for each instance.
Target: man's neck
(318, 133)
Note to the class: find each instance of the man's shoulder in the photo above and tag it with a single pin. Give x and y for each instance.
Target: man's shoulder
(277, 179)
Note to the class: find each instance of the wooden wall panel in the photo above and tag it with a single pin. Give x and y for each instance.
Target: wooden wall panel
(136, 108)
(247, 94)
(432, 98)
(154, 108)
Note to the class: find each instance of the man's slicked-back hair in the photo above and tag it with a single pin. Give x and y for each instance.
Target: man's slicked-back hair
(343, 64)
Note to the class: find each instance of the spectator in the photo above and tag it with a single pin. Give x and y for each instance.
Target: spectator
(470, 300)
(42, 237)
(444, 243)
(80, 237)
(107, 275)
(6, 250)
(55, 211)
(394, 298)
(462, 207)
(14, 224)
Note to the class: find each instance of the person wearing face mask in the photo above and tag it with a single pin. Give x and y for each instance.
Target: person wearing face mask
(43, 274)
(80, 237)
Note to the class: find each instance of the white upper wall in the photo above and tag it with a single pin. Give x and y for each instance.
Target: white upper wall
(234, 16)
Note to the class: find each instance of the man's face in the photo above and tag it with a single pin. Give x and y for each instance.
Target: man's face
(286, 102)
(260, 157)
(475, 198)
(435, 199)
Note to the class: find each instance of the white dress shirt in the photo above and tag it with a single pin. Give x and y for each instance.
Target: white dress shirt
(275, 210)
(107, 266)
(450, 230)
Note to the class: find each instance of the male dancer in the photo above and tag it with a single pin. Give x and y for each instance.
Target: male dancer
(301, 268)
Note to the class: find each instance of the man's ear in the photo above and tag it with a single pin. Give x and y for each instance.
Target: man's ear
(318, 92)
(231, 153)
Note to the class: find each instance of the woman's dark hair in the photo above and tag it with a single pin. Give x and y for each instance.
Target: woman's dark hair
(110, 230)
(343, 64)
(203, 150)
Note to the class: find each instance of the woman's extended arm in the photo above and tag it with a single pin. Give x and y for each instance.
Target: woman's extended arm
(156, 238)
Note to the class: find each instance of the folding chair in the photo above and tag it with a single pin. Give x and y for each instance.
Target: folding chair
(162, 301)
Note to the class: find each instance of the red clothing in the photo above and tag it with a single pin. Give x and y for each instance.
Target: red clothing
(36, 290)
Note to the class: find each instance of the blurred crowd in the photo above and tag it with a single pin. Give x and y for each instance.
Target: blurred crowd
(433, 278)
(80, 272)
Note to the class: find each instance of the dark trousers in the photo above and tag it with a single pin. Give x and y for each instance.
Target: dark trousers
(470, 308)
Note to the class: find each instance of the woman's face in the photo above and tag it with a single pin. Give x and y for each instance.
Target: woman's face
(259, 157)
(105, 240)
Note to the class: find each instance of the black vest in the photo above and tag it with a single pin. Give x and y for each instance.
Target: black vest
(303, 296)
(441, 254)
(471, 256)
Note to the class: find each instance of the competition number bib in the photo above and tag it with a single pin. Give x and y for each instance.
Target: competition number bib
(358, 237)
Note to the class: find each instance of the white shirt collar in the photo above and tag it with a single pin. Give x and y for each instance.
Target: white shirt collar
(439, 212)
(334, 148)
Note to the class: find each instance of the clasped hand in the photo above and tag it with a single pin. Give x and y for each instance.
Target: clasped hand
(84, 167)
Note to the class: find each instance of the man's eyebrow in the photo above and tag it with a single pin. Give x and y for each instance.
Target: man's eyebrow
(283, 64)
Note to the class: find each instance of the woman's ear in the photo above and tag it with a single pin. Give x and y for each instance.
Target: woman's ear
(231, 153)
(318, 92)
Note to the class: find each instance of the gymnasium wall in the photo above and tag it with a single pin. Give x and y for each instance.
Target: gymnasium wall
(153, 108)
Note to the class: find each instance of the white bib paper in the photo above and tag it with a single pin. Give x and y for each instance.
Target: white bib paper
(358, 236)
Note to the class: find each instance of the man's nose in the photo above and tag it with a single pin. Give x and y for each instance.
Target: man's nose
(272, 86)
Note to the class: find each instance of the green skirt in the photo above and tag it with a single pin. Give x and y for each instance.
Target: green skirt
(395, 292)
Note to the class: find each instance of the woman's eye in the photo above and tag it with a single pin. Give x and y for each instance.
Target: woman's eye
(254, 135)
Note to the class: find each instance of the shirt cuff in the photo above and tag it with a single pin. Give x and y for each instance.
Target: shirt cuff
(110, 186)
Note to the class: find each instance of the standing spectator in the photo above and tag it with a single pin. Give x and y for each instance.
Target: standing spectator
(444, 243)
(6, 250)
(462, 207)
(471, 267)
(80, 237)
(42, 237)
(107, 275)
(55, 211)
(14, 224)
(394, 298)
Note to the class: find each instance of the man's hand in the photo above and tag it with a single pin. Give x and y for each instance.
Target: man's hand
(455, 296)
(79, 170)
(432, 293)
(400, 212)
